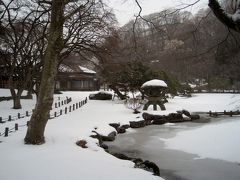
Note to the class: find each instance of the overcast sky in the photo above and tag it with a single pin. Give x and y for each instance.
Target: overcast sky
(126, 9)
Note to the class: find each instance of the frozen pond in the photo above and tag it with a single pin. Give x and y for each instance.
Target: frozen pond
(157, 144)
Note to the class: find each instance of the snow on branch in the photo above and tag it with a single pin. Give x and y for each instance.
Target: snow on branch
(230, 20)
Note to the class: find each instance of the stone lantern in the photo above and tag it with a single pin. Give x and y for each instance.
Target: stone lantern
(154, 90)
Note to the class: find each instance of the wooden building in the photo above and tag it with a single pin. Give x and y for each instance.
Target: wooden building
(76, 78)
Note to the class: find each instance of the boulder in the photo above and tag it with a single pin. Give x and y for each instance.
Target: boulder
(121, 130)
(121, 156)
(125, 126)
(159, 121)
(186, 113)
(194, 117)
(137, 124)
(148, 166)
(114, 125)
(110, 137)
(174, 118)
(101, 96)
(147, 116)
(82, 143)
(104, 146)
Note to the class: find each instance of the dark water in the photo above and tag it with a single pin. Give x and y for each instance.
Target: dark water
(174, 165)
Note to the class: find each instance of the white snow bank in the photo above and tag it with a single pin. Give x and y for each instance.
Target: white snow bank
(217, 141)
(60, 158)
(154, 82)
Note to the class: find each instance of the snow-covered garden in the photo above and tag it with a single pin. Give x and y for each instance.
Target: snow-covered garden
(60, 158)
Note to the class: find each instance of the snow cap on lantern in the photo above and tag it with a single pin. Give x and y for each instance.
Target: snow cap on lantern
(154, 83)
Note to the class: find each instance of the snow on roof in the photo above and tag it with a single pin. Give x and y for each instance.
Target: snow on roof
(86, 70)
(154, 82)
(65, 68)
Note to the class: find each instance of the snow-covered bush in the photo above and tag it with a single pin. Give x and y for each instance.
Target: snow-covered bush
(134, 103)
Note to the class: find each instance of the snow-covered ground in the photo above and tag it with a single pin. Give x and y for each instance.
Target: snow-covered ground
(59, 158)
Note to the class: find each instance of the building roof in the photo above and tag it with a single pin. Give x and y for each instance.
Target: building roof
(81, 69)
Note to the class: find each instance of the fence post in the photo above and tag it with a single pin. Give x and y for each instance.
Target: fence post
(65, 110)
(73, 107)
(9, 118)
(60, 112)
(70, 108)
(19, 115)
(79, 104)
(16, 127)
(55, 105)
(65, 101)
(1, 121)
(62, 103)
(86, 100)
(55, 114)
(6, 132)
(76, 105)
(27, 113)
(59, 104)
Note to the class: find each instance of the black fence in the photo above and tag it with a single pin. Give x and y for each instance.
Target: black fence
(52, 115)
(58, 104)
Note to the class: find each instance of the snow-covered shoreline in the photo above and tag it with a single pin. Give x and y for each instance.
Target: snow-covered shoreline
(61, 159)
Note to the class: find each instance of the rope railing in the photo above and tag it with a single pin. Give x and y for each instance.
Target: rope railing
(52, 115)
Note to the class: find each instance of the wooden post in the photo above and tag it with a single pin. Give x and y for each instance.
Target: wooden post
(19, 115)
(55, 114)
(59, 104)
(9, 118)
(55, 105)
(6, 132)
(27, 113)
(1, 121)
(16, 127)
(210, 113)
(86, 100)
(60, 112)
(224, 112)
(79, 104)
(65, 110)
(73, 107)
(62, 103)
(70, 108)
(76, 105)
(65, 101)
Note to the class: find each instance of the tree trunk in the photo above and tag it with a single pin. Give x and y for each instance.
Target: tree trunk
(17, 102)
(115, 89)
(38, 121)
(16, 98)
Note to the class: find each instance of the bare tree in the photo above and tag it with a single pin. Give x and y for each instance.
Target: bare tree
(67, 29)
(25, 25)
(231, 20)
